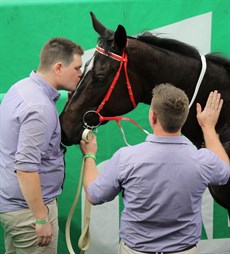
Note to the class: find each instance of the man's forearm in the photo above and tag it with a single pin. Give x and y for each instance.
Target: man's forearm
(31, 190)
(212, 142)
(90, 174)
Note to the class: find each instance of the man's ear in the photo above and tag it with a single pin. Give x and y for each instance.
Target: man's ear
(58, 68)
(152, 117)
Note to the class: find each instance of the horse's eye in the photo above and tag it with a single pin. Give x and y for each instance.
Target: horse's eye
(100, 78)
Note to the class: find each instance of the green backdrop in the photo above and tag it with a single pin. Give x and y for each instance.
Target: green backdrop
(27, 24)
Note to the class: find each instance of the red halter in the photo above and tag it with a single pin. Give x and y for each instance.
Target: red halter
(123, 60)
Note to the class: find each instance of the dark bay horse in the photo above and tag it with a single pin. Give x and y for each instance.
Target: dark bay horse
(123, 72)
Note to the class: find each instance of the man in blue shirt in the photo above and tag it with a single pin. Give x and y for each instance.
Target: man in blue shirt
(162, 179)
(31, 164)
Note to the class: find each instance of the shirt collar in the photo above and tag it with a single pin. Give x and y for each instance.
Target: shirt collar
(49, 90)
(169, 140)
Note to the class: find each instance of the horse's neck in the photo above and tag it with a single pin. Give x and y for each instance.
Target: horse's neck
(159, 66)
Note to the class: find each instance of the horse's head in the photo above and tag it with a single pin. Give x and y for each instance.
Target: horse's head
(96, 84)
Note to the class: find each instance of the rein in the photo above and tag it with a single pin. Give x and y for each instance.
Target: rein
(93, 114)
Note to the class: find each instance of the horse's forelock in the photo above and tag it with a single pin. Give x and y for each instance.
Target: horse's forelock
(106, 40)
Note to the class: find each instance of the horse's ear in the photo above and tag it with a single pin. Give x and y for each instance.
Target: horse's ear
(98, 27)
(120, 37)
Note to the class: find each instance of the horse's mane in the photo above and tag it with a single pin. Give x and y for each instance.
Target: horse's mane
(218, 59)
(181, 48)
(169, 44)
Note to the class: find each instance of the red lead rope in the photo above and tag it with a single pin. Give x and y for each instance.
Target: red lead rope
(118, 119)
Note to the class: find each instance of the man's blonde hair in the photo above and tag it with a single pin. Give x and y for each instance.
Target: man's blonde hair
(171, 106)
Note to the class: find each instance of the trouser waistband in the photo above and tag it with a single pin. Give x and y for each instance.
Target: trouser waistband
(170, 252)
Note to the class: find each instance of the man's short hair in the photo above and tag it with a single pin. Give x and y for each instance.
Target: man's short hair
(171, 106)
(58, 49)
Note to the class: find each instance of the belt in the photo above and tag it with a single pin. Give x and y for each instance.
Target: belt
(172, 252)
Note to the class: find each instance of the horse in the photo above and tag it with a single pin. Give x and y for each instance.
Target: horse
(122, 73)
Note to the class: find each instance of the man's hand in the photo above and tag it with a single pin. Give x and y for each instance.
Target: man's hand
(89, 147)
(208, 118)
(44, 233)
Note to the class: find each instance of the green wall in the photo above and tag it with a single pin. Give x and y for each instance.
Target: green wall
(27, 24)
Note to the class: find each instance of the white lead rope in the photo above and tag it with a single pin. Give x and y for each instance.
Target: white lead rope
(84, 240)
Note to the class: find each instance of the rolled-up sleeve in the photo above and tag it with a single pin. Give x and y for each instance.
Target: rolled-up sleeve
(34, 136)
(214, 170)
(107, 185)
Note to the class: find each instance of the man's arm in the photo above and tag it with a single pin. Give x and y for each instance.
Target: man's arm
(207, 120)
(31, 189)
(90, 169)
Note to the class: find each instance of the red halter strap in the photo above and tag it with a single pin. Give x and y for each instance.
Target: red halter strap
(123, 60)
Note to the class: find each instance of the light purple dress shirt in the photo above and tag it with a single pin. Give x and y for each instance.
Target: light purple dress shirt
(162, 181)
(30, 139)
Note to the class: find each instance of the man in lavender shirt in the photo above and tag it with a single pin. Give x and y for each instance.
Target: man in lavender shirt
(162, 179)
(31, 158)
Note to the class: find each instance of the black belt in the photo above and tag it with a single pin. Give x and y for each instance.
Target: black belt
(171, 252)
